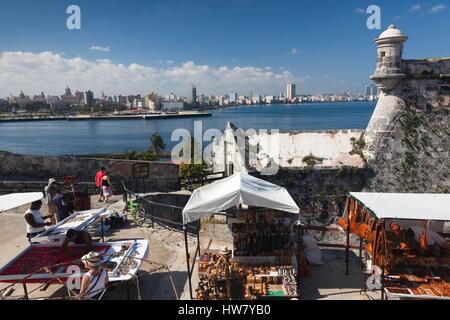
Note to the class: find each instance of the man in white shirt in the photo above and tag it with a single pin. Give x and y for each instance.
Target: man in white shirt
(35, 221)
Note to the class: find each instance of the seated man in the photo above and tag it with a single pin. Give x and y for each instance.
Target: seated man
(78, 237)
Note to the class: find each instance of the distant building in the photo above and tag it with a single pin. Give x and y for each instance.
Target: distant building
(39, 98)
(79, 97)
(68, 98)
(121, 99)
(269, 99)
(172, 106)
(152, 102)
(88, 98)
(233, 98)
(290, 92)
(21, 100)
(371, 92)
(256, 99)
(221, 100)
(68, 92)
(194, 95)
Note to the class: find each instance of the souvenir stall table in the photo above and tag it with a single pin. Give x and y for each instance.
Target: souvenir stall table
(48, 264)
(77, 221)
(405, 241)
(262, 263)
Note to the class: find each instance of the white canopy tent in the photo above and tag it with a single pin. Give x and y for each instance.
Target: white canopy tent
(237, 189)
(14, 200)
(407, 206)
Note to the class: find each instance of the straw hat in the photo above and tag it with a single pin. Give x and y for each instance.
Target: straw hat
(225, 251)
(92, 259)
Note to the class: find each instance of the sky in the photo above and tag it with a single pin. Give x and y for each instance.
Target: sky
(220, 46)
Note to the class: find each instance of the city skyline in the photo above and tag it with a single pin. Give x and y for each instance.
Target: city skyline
(261, 52)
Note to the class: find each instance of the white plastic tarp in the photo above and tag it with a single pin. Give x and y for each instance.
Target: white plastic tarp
(237, 189)
(14, 200)
(407, 206)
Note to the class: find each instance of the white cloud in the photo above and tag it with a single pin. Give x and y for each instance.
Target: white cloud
(101, 49)
(437, 8)
(414, 8)
(359, 11)
(294, 51)
(49, 72)
(161, 61)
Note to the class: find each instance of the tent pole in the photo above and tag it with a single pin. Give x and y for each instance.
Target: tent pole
(347, 247)
(187, 261)
(299, 253)
(198, 237)
(361, 252)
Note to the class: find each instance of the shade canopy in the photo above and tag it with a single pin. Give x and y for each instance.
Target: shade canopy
(407, 206)
(237, 189)
(14, 200)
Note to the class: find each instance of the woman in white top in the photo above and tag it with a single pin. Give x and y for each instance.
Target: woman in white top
(94, 281)
(35, 221)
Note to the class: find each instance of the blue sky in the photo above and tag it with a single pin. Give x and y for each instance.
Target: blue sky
(323, 46)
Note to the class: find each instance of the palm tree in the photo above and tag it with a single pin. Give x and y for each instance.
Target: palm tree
(157, 144)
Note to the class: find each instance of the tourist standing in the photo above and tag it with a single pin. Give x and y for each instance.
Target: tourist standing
(98, 182)
(35, 221)
(50, 192)
(94, 281)
(107, 187)
(65, 204)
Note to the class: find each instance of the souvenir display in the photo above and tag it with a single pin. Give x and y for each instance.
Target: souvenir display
(257, 234)
(263, 233)
(414, 263)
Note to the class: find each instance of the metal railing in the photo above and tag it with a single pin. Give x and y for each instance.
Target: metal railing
(189, 183)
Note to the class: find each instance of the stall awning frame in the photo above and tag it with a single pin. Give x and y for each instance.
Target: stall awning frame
(238, 189)
(405, 206)
(14, 200)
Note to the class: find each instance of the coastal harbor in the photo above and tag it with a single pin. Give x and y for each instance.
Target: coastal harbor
(82, 117)
(148, 157)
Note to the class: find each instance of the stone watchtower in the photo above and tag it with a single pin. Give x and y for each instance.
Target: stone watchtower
(407, 139)
(388, 76)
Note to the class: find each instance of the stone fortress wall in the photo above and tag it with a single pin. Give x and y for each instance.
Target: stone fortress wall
(30, 173)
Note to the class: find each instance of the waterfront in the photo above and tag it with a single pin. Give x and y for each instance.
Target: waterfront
(115, 136)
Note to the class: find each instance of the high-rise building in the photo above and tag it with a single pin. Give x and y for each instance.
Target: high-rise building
(152, 102)
(194, 95)
(68, 92)
(89, 98)
(371, 92)
(233, 97)
(290, 92)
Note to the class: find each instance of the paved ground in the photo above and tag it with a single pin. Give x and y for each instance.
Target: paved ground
(167, 249)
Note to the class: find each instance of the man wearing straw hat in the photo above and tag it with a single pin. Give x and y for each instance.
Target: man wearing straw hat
(94, 281)
(50, 192)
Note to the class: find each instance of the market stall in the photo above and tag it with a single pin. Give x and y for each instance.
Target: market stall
(48, 264)
(262, 262)
(77, 221)
(405, 241)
